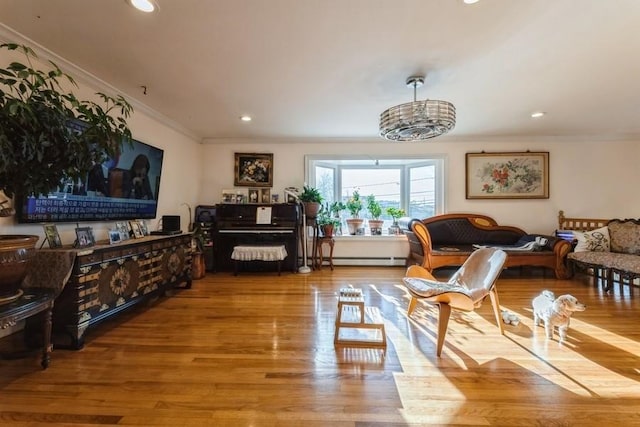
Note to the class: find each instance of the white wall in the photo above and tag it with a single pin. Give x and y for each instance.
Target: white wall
(587, 179)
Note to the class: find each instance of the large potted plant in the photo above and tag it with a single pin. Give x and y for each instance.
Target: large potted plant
(354, 206)
(312, 200)
(375, 210)
(39, 148)
(327, 223)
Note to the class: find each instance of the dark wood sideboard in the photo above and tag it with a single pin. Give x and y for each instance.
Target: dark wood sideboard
(107, 279)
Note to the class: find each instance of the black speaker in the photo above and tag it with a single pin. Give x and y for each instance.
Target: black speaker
(170, 223)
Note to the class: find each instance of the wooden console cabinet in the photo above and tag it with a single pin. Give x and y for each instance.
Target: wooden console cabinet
(107, 279)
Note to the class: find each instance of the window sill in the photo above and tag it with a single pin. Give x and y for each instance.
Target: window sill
(368, 237)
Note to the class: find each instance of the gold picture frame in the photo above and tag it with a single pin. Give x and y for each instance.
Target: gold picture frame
(253, 170)
(517, 175)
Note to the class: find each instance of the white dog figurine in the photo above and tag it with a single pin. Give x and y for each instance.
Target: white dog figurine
(555, 312)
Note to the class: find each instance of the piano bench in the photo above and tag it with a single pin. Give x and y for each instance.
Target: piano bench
(258, 253)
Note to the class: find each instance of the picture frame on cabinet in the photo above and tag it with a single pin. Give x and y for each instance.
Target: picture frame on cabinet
(135, 227)
(84, 237)
(52, 235)
(114, 236)
(123, 229)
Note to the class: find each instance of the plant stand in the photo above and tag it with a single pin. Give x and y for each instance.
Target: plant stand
(357, 325)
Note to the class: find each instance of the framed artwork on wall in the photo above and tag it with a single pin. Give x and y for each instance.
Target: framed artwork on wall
(253, 170)
(520, 175)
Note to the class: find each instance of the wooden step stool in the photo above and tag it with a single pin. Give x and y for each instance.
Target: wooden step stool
(357, 325)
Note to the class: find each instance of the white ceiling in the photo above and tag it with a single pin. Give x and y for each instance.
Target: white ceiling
(328, 68)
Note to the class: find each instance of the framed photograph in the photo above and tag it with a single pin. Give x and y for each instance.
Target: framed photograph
(242, 196)
(143, 227)
(254, 195)
(265, 195)
(84, 237)
(135, 227)
(52, 235)
(253, 170)
(229, 196)
(123, 229)
(507, 175)
(275, 198)
(114, 236)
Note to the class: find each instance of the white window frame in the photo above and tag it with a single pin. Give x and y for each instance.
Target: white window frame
(369, 162)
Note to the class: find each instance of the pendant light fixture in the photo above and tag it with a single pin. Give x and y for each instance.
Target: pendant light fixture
(417, 120)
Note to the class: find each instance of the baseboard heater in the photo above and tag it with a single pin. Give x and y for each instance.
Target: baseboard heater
(370, 262)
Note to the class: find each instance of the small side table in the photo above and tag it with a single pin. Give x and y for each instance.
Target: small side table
(30, 303)
(321, 241)
(356, 324)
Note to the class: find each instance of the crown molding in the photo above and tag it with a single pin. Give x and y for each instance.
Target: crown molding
(9, 35)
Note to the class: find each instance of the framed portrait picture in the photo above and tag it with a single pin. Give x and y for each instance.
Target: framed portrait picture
(84, 237)
(144, 229)
(253, 170)
(275, 198)
(123, 229)
(229, 196)
(254, 195)
(135, 227)
(52, 235)
(265, 195)
(242, 196)
(507, 175)
(114, 236)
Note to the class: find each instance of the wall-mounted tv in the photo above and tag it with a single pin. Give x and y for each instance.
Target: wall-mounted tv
(126, 187)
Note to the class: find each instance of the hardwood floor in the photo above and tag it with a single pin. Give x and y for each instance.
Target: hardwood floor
(257, 350)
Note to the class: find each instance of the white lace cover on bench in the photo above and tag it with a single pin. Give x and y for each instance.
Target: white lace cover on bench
(259, 253)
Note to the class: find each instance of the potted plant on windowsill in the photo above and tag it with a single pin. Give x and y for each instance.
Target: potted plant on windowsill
(39, 149)
(312, 200)
(395, 214)
(354, 206)
(326, 222)
(375, 210)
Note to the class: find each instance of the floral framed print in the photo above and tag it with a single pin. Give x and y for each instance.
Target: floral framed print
(253, 170)
(507, 175)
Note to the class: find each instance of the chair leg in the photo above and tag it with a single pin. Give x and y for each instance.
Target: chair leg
(495, 303)
(412, 305)
(444, 311)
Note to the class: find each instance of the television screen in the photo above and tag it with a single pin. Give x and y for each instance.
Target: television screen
(126, 187)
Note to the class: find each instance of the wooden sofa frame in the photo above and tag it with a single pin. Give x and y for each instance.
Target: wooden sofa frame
(423, 253)
(604, 274)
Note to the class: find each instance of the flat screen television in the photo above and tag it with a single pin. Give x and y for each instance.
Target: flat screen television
(126, 187)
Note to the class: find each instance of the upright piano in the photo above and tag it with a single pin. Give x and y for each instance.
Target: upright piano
(256, 224)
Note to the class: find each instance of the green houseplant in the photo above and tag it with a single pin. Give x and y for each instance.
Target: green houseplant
(39, 148)
(395, 214)
(327, 223)
(312, 199)
(354, 206)
(375, 210)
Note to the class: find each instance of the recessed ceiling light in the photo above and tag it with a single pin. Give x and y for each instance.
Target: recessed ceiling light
(538, 114)
(470, 1)
(143, 5)
(245, 118)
